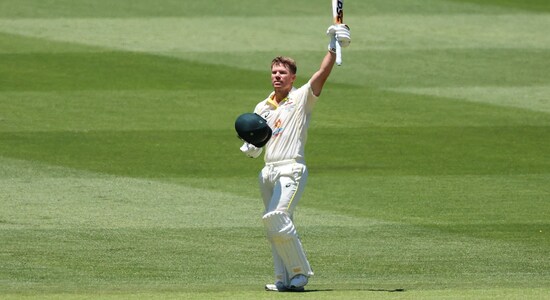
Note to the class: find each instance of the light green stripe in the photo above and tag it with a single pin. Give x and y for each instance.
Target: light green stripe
(37, 195)
(236, 34)
(535, 98)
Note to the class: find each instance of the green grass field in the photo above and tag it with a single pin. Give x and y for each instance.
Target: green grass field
(121, 177)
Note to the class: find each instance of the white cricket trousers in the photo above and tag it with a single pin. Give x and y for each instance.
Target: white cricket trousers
(281, 185)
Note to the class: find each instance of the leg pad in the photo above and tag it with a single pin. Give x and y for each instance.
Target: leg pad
(281, 232)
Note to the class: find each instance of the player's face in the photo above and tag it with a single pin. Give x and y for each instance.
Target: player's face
(281, 77)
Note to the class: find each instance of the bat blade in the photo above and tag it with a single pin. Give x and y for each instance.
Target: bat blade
(338, 11)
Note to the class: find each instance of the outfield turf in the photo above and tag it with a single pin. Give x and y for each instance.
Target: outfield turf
(121, 178)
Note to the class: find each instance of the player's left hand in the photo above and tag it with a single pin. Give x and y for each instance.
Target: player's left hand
(251, 150)
(342, 34)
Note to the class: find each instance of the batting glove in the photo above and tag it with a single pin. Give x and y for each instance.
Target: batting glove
(342, 34)
(332, 44)
(251, 150)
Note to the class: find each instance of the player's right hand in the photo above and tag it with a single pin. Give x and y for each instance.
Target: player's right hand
(342, 34)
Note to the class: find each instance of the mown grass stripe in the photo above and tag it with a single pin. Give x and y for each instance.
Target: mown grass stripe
(403, 31)
(536, 98)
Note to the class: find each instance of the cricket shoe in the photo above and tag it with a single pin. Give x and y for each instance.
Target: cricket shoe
(277, 287)
(280, 287)
(298, 282)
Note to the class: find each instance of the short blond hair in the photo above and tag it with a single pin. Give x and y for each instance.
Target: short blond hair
(286, 61)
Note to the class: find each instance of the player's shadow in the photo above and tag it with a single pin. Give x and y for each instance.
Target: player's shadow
(398, 290)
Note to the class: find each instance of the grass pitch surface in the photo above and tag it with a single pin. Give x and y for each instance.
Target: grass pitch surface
(120, 174)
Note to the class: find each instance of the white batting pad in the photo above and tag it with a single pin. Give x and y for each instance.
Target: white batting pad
(282, 234)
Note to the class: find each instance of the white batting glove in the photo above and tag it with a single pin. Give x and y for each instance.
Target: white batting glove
(332, 44)
(251, 150)
(342, 34)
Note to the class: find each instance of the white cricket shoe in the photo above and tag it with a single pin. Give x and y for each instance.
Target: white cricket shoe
(281, 287)
(298, 282)
(277, 287)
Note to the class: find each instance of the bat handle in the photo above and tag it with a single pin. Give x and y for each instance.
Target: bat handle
(338, 54)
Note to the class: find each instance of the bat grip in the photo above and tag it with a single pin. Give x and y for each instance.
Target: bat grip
(338, 54)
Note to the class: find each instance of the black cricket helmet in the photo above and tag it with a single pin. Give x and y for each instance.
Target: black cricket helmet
(253, 129)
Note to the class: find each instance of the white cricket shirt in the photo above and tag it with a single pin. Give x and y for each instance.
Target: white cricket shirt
(289, 121)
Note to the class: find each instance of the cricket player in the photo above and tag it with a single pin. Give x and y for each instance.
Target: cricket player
(287, 111)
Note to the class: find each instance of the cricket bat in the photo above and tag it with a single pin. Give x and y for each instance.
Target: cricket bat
(338, 15)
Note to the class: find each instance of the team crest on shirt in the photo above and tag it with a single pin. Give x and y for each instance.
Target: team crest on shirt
(278, 128)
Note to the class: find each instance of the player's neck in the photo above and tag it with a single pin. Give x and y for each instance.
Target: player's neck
(281, 95)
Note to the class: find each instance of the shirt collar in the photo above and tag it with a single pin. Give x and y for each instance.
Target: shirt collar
(274, 103)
